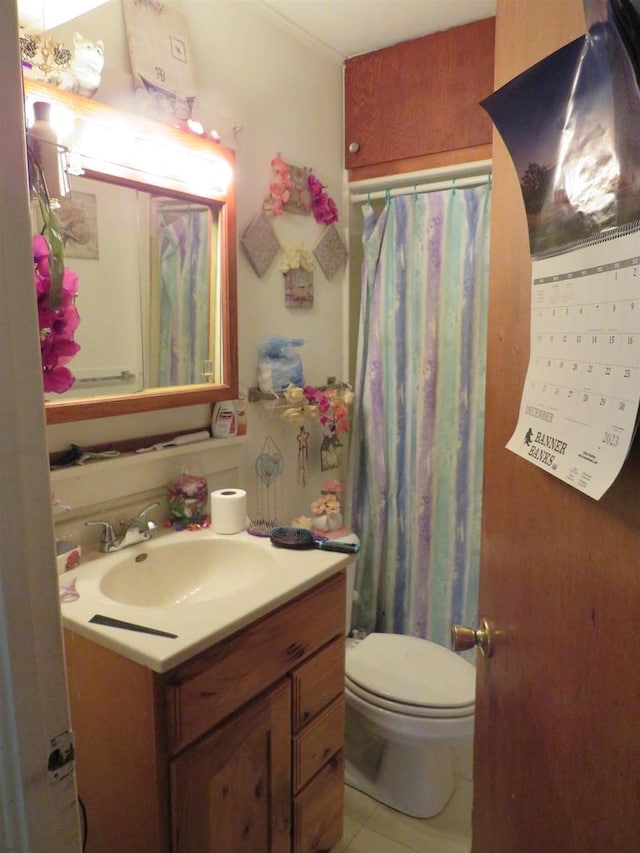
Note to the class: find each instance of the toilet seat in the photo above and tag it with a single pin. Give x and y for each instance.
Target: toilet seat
(410, 676)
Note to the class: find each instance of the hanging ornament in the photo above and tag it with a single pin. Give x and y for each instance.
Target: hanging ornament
(303, 455)
(330, 451)
(269, 468)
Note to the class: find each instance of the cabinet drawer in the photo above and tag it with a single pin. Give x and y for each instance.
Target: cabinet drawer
(318, 810)
(200, 693)
(317, 742)
(316, 682)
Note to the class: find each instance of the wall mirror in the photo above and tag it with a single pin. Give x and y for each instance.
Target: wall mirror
(150, 229)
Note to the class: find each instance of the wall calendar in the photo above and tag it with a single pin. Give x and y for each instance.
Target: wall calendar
(580, 400)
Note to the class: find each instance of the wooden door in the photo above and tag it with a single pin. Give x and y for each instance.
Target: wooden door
(557, 749)
(231, 791)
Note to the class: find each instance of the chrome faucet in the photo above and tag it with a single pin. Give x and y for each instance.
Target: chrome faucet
(135, 530)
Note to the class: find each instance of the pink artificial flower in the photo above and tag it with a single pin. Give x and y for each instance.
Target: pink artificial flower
(57, 327)
(279, 189)
(69, 282)
(323, 207)
(40, 247)
(56, 352)
(279, 165)
(326, 505)
(57, 379)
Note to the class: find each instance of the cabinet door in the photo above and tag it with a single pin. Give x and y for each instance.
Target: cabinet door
(419, 97)
(231, 791)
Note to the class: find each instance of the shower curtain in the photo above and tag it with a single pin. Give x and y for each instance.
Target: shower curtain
(417, 441)
(184, 297)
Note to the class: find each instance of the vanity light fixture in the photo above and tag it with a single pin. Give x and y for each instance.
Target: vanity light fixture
(98, 140)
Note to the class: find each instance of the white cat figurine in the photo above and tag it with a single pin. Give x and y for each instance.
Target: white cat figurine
(85, 69)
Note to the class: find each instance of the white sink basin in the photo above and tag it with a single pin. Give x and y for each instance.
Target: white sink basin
(172, 573)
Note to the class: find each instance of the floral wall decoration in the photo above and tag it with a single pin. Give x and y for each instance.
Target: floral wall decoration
(330, 407)
(323, 207)
(297, 267)
(289, 190)
(279, 188)
(296, 189)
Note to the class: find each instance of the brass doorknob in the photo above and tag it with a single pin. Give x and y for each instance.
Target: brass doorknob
(463, 638)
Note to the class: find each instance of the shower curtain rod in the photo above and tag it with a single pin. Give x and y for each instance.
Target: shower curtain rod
(429, 180)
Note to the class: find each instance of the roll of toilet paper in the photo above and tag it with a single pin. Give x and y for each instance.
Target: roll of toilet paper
(228, 511)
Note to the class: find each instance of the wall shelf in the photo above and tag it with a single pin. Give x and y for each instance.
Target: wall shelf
(255, 394)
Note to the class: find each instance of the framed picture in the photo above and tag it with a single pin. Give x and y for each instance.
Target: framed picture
(300, 197)
(161, 60)
(298, 288)
(78, 219)
(260, 244)
(330, 251)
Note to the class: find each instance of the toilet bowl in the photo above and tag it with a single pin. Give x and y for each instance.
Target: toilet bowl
(409, 703)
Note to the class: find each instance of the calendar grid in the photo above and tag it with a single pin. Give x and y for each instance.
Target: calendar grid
(580, 398)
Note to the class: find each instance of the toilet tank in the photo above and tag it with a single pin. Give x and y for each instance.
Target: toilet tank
(351, 568)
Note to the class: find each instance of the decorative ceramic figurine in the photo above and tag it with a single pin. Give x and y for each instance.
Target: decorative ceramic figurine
(327, 510)
(52, 62)
(85, 70)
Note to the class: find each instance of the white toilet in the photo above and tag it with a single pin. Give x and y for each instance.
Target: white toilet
(409, 702)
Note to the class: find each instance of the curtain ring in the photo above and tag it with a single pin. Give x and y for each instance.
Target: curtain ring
(387, 195)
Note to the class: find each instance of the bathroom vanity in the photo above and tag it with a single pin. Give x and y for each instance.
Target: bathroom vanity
(238, 747)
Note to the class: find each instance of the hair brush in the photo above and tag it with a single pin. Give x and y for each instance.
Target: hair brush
(300, 537)
(261, 527)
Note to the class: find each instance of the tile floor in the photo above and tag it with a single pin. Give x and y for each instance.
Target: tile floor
(370, 827)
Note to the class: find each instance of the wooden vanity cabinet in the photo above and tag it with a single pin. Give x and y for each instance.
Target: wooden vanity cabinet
(239, 748)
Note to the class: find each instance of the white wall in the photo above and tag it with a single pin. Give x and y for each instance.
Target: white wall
(283, 97)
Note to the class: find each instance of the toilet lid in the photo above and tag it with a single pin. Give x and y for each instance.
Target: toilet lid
(411, 671)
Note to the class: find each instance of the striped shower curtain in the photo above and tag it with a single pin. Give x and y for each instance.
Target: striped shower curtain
(417, 441)
(184, 297)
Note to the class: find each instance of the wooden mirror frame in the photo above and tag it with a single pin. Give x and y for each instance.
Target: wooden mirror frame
(214, 160)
